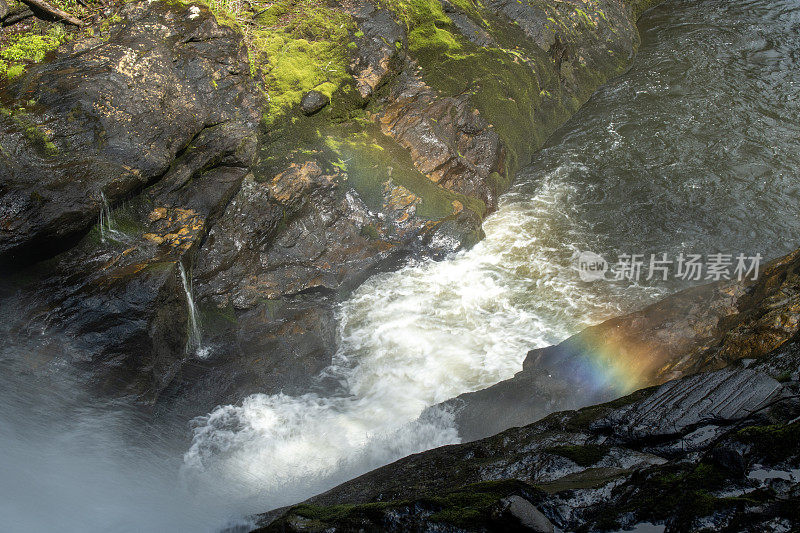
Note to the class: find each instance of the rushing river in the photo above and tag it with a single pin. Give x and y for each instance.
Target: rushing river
(695, 150)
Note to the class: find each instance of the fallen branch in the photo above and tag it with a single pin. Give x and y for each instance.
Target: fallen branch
(17, 17)
(41, 5)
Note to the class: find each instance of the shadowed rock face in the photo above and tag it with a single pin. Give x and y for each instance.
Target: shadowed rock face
(715, 448)
(161, 116)
(699, 329)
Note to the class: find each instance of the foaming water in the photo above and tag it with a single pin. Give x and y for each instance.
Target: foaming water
(694, 150)
(408, 340)
(685, 153)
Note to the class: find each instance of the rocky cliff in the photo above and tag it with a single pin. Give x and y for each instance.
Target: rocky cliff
(186, 190)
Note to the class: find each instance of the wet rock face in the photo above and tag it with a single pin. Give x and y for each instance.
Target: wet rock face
(449, 141)
(263, 228)
(679, 405)
(109, 118)
(719, 449)
(162, 115)
(377, 57)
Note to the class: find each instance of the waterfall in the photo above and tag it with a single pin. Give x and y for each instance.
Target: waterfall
(195, 341)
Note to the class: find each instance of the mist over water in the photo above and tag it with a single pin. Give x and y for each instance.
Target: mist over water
(694, 150)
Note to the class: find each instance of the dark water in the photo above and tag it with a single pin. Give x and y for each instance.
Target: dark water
(695, 150)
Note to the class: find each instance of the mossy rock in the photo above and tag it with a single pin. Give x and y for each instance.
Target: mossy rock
(583, 455)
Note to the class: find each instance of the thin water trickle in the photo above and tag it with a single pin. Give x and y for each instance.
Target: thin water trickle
(194, 341)
(108, 225)
(106, 221)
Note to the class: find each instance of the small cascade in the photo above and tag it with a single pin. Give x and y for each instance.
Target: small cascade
(108, 226)
(195, 341)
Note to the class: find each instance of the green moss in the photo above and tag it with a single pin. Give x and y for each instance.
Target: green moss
(37, 135)
(502, 80)
(297, 46)
(29, 47)
(370, 232)
(332, 513)
(677, 492)
(773, 443)
(585, 18)
(473, 504)
(585, 455)
(585, 479)
(15, 70)
(470, 505)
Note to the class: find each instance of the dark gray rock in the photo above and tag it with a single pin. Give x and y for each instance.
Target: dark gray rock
(155, 129)
(528, 515)
(109, 118)
(713, 397)
(379, 53)
(313, 101)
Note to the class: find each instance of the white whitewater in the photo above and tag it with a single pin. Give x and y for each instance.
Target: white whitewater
(408, 340)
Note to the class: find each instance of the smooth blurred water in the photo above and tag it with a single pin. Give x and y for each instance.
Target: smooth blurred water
(694, 150)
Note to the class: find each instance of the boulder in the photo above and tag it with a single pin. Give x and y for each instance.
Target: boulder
(528, 515)
(312, 102)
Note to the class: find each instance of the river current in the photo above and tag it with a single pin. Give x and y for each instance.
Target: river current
(693, 151)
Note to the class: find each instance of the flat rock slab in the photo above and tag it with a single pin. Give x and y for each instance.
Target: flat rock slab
(681, 404)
